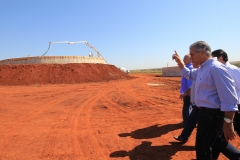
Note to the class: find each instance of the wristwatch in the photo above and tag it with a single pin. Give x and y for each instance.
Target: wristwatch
(228, 120)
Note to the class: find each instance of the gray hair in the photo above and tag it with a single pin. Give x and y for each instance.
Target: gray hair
(201, 45)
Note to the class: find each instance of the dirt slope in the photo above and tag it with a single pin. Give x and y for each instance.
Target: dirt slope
(58, 73)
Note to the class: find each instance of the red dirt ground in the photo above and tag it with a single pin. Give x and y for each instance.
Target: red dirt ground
(50, 112)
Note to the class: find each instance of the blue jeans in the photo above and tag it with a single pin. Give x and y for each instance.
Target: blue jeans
(185, 109)
(210, 136)
(191, 123)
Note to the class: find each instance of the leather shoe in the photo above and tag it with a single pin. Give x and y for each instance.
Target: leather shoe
(180, 139)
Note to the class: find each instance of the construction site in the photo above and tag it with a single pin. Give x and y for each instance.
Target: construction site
(58, 69)
(82, 108)
(59, 59)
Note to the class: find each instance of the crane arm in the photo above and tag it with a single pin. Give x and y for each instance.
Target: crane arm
(47, 49)
(54, 43)
(68, 42)
(98, 54)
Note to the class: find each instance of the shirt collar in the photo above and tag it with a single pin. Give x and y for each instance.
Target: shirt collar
(215, 58)
(227, 64)
(189, 64)
(207, 62)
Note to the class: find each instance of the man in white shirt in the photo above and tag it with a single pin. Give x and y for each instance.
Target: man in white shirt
(234, 71)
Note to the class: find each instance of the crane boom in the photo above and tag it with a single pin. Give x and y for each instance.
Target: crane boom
(77, 42)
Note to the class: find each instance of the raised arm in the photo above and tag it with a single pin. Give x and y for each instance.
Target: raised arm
(184, 71)
(179, 61)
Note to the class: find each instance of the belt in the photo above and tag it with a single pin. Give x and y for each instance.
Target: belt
(204, 108)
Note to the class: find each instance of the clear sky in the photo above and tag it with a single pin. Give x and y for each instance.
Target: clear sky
(135, 34)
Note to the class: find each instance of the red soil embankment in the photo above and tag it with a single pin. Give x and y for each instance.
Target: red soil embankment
(58, 73)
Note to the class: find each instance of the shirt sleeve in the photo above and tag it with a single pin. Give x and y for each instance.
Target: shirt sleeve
(225, 89)
(189, 83)
(235, 73)
(189, 74)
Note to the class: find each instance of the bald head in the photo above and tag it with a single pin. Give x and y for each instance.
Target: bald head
(187, 59)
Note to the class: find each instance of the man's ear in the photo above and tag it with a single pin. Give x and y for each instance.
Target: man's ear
(220, 58)
(202, 52)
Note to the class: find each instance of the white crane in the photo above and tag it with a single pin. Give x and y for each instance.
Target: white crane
(77, 42)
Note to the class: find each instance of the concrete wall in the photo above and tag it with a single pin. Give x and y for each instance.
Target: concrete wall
(171, 72)
(53, 59)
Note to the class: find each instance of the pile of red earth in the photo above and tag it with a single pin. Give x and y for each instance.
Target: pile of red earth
(30, 74)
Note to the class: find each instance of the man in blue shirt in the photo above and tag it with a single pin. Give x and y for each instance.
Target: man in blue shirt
(192, 119)
(185, 85)
(216, 97)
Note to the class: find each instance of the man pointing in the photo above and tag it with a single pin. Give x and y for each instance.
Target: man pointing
(216, 97)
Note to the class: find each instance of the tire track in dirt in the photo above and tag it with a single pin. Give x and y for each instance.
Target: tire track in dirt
(155, 97)
(83, 136)
(137, 106)
(115, 106)
(131, 94)
(20, 122)
(78, 140)
(49, 151)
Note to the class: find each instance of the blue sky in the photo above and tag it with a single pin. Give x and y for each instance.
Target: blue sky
(134, 34)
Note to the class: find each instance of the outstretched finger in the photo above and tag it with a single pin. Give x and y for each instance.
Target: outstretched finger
(175, 52)
(174, 55)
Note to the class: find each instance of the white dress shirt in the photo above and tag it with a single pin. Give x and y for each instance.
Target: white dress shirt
(235, 73)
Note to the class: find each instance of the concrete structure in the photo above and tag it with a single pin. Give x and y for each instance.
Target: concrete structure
(171, 71)
(53, 60)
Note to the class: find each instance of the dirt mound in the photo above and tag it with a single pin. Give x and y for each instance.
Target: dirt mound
(30, 74)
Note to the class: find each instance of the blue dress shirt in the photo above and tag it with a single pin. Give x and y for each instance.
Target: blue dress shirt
(214, 86)
(186, 83)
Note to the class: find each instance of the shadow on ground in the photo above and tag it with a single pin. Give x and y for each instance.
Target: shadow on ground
(147, 152)
(152, 131)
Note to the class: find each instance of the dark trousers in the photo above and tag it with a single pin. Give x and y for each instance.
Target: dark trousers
(227, 150)
(185, 110)
(210, 136)
(224, 147)
(191, 123)
(236, 121)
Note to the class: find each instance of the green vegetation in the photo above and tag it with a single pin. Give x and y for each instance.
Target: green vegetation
(236, 63)
(159, 70)
(147, 71)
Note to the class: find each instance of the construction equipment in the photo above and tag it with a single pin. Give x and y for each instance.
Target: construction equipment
(77, 42)
(124, 70)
